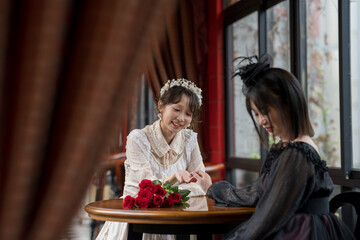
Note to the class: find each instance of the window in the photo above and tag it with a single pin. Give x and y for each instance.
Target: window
(278, 34)
(323, 77)
(243, 45)
(355, 78)
(318, 41)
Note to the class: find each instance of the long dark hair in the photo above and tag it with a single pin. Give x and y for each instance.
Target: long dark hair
(266, 86)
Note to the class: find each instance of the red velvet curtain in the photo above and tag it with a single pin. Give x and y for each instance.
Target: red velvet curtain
(66, 70)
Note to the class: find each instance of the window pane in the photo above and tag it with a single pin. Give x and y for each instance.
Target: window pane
(323, 77)
(278, 44)
(245, 140)
(244, 178)
(355, 78)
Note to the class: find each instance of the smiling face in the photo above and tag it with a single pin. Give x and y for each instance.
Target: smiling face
(271, 121)
(175, 117)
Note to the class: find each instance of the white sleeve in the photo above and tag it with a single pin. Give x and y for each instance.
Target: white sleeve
(137, 165)
(195, 163)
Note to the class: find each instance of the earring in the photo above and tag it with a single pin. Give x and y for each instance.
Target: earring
(187, 125)
(159, 116)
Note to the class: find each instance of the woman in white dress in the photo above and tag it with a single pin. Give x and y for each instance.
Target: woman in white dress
(165, 150)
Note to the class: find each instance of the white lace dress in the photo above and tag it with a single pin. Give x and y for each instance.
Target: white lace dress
(149, 156)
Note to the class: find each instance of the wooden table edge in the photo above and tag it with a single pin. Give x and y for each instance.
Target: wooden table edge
(144, 216)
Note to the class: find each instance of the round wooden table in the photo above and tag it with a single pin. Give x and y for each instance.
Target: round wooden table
(198, 216)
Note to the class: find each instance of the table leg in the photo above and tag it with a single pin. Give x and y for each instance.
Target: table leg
(204, 236)
(182, 237)
(133, 235)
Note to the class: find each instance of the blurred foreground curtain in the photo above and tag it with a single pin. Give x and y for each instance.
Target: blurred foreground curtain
(66, 70)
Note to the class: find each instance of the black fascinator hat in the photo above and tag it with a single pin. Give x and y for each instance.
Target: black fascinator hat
(250, 68)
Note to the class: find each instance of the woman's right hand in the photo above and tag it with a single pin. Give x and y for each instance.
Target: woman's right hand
(183, 176)
(203, 179)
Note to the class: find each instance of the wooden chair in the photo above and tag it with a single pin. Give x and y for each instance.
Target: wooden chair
(352, 198)
(214, 170)
(114, 163)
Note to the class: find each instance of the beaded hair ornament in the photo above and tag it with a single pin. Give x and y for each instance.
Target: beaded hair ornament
(182, 82)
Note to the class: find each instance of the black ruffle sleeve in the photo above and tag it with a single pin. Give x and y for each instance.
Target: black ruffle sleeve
(277, 193)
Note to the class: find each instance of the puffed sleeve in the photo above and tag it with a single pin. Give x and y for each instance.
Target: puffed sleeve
(137, 166)
(225, 194)
(289, 183)
(195, 163)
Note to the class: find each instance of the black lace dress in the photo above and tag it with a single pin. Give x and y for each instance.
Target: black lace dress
(290, 196)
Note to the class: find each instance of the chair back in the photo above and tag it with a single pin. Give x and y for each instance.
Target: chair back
(352, 198)
(115, 163)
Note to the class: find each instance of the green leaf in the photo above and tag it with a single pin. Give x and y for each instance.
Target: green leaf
(167, 184)
(185, 199)
(183, 193)
(156, 182)
(174, 189)
(186, 205)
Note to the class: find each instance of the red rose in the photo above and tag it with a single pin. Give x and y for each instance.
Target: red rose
(158, 200)
(129, 202)
(141, 203)
(145, 194)
(145, 184)
(176, 197)
(159, 190)
(168, 202)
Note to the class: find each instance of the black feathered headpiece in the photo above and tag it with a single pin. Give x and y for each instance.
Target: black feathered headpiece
(250, 68)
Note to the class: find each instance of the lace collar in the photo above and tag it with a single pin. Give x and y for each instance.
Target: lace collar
(158, 142)
(309, 151)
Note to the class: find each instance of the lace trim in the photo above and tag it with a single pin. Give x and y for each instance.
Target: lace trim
(190, 142)
(151, 133)
(160, 171)
(139, 137)
(155, 157)
(310, 154)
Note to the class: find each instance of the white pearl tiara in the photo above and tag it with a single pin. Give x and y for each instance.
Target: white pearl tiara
(183, 83)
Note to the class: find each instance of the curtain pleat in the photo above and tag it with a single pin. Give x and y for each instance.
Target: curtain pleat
(67, 70)
(182, 53)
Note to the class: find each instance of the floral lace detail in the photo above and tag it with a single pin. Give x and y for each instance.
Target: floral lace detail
(311, 154)
(140, 138)
(272, 155)
(190, 141)
(308, 150)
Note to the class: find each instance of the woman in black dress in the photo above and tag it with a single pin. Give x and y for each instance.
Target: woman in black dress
(291, 194)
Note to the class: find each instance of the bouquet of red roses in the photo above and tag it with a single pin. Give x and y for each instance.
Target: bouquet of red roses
(154, 194)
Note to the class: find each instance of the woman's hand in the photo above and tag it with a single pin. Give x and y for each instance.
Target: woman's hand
(203, 179)
(180, 176)
(184, 177)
